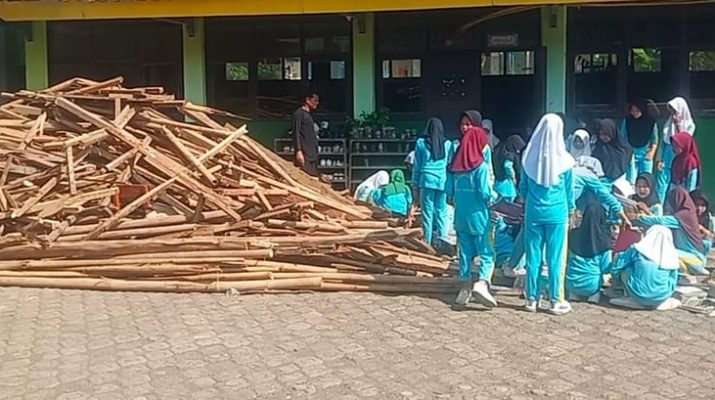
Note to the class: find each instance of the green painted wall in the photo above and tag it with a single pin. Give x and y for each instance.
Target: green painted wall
(553, 37)
(3, 57)
(363, 63)
(36, 75)
(194, 61)
(266, 131)
(704, 134)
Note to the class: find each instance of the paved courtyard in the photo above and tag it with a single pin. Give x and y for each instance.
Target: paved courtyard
(93, 345)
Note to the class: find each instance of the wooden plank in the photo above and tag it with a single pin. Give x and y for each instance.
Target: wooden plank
(70, 171)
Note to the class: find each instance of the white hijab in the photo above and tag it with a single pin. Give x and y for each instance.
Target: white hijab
(586, 139)
(374, 181)
(680, 105)
(545, 157)
(657, 246)
(591, 165)
(488, 125)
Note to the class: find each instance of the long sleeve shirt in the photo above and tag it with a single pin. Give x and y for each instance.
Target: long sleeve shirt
(428, 173)
(507, 186)
(680, 239)
(548, 205)
(472, 197)
(304, 137)
(583, 183)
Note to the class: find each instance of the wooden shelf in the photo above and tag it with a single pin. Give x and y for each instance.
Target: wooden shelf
(384, 140)
(384, 154)
(378, 167)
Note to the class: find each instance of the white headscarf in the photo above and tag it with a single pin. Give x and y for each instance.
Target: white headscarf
(374, 181)
(410, 159)
(488, 125)
(680, 105)
(657, 246)
(586, 139)
(624, 187)
(590, 164)
(545, 157)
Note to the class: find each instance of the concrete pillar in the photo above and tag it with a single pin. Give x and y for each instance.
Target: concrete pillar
(363, 63)
(194, 61)
(36, 64)
(553, 38)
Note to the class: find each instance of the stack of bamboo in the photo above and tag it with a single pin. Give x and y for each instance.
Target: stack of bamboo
(106, 187)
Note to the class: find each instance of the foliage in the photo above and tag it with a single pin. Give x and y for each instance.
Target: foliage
(702, 61)
(646, 60)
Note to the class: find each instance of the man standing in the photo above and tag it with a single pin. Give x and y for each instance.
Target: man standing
(306, 141)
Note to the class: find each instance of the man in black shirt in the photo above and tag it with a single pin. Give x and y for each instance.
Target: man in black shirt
(304, 137)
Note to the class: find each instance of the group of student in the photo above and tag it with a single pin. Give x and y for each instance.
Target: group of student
(555, 175)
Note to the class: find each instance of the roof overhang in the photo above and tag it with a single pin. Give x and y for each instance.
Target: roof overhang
(47, 10)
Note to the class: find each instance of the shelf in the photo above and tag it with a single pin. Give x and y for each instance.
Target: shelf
(319, 140)
(332, 167)
(379, 167)
(332, 154)
(384, 140)
(386, 154)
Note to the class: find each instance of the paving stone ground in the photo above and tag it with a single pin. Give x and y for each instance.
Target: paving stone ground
(74, 345)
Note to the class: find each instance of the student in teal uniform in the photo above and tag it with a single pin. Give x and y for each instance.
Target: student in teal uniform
(395, 197)
(547, 188)
(472, 193)
(681, 120)
(646, 195)
(686, 167)
(589, 254)
(612, 151)
(705, 218)
(433, 153)
(686, 230)
(507, 160)
(641, 130)
(648, 270)
(471, 119)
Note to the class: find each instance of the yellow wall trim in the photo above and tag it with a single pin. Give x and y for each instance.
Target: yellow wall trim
(114, 9)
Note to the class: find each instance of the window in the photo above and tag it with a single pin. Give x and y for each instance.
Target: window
(646, 60)
(594, 63)
(276, 69)
(499, 63)
(520, 63)
(237, 71)
(411, 68)
(335, 70)
(493, 64)
(702, 61)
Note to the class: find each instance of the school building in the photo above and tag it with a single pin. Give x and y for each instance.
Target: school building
(511, 59)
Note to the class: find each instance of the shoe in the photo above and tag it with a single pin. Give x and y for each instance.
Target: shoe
(669, 304)
(464, 296)
(484, 297)
(594, 299)
(531, 305)
(560, 307)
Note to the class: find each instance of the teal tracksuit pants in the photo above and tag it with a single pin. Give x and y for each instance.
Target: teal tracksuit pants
(434, 213)
(471, 246)
(549, 242)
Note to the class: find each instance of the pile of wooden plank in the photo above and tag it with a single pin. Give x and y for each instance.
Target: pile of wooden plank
(113, 188)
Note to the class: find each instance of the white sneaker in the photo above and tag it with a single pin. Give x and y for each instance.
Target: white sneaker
(560, 307)
(594, 299)
(484, 297)
(670, 304)
(464, 296)
(531, 305)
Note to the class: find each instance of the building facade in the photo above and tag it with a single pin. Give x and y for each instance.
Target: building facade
(513, 60)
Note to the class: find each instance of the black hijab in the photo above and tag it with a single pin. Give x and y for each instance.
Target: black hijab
(434, 138)
(509, 149)
(615, 156)
(698, 195)
(474, 116)
(683, 208)
(593, 236)
(652, 198)
(641, 130)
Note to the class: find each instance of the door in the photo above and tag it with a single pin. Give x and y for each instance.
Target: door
(452, 81)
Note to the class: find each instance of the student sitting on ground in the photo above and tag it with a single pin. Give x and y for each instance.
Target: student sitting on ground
(647, 271)
(375, 181)
(589, 254)
(646, 195)
(702, 205)
(395, 197)
(686, 230)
